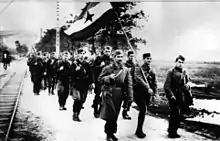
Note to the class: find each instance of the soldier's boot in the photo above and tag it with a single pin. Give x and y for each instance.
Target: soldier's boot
(96, 111)
(49, 91)
(139, 131)
(125, 115)
(172, 131)
(76, 117)
(111, 137)
(64, 108)
(61, 108)
(52, 92)
(173, 135)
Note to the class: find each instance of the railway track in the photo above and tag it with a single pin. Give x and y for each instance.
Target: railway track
(207, 130)
(10, 92)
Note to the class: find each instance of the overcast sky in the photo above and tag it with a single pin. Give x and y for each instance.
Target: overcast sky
(188, 28)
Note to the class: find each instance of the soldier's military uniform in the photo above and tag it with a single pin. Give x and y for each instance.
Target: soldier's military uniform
(97, 68)
(45, 59)
(51, 74)
(126, 103)
(141, 91)
(37, 70)
(82, 78)
(113, 90)
(63, 76)
(179, 97)
(31, 59)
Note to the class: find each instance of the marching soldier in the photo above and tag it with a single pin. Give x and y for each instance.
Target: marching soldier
(82, 79)
(30, 63)
(143, 90)
(99, 63)
(37, 70)
(115, 80)
(179, 95)
(63, 77)
(127, 104)
(45, 59)
(51, 73)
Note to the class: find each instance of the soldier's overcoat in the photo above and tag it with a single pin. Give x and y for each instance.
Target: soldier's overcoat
(113, 90)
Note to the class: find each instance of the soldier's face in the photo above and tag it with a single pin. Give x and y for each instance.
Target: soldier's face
(66, 56)
(63, 57)
(179, 63)
(147, 60)
(131, 57)
(17, 44)
(52, 56)
(81, 55)
(86, 59)
(107, 52)
(119, 58)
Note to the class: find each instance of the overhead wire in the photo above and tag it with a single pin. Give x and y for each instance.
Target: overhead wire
(3, 10)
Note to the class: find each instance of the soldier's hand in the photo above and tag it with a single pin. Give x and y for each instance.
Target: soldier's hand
(150, 91)
(61, 68)
(186, 86)
(130, 100)
(77, 68)
(92, 86)
(112, 76)
(173, 98)
(102, 64)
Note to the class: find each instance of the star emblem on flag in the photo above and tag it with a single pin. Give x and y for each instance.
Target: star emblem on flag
(89, 17)
(93, 16)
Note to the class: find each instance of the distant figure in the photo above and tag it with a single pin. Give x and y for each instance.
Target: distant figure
(6, 59)
(178, 92)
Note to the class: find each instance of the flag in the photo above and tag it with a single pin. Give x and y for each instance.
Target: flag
(92, 17)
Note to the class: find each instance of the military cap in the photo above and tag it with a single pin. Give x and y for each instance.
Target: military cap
(39, 53)
(81, 50)
(118, 52)
(130, 52)
(108, 47)
(180, 57)
(146, 55)
(66, 52)
(44, 54)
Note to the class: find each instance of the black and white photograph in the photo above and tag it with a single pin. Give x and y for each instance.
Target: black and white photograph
(73, 70)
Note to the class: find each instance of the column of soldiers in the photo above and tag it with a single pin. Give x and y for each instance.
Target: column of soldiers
(114, 83)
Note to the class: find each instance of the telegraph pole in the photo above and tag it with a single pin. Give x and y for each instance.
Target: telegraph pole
(58, 28)
(41, 33)
(1, 37)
